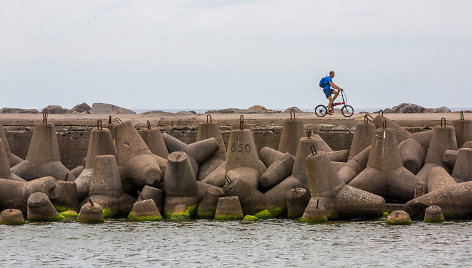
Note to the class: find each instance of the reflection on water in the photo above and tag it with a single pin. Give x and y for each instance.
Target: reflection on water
(212, 243)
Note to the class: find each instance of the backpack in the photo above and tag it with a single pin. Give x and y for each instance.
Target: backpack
(323, 82)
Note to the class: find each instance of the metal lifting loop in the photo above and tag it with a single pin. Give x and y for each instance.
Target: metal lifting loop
(381, 112)
(99, 124)
(366, 118)
(462, 115)
(148, 124)
(308, 133)
(90, 201)
(384, 124)
(109, 119)
(292, 112)
(45, 117)
(369, 117)
(228, 179)
(313, 149)
(119, 121)
(317, 202)
(443, 119)
(209, 120)
(241, 122)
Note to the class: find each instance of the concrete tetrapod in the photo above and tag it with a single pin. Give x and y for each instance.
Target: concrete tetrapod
(206, 130)
(140, 166)
(444, 138)
(18, 192)
(105, 177)
(228, 208)
(438, 178)
(297, 200)
(454, 199)
(112, 124)
(398, 217)
(5, 172)
(40, 208)
(100, 143)
(292, 131)
(252, 201)
(197, 152)
(276, 197)
(155, 194)
(339, 199)
(180, 184)
(412, 155)
(145, 210)
(207, 207)
(385, 174)
(277, 171)
(13, 160)
(463, 130)
(154, 140)
(450, 156)
(91, 213)
(400, 133)
(68, 198)
(43, 158)
(12, 217)
(463, 168)
(433, 214)
(269, 155)
(362, 138)
(354, 166)
(314, 213)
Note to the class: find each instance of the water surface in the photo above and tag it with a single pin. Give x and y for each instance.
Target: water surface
(275, 243)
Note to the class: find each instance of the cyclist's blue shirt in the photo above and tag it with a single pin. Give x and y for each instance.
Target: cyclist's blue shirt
(328, 79)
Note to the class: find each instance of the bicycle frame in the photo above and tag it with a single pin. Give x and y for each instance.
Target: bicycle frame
(344, 97)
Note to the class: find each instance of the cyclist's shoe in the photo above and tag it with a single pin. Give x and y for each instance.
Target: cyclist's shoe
(331, 112)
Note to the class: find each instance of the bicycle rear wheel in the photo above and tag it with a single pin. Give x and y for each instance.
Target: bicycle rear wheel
(321, 110)
(347, 110)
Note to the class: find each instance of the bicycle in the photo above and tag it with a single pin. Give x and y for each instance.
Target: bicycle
(347, 110)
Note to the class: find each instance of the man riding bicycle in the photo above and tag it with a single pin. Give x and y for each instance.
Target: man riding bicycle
(328, 91)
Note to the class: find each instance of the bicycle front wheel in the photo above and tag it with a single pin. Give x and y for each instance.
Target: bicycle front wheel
(347, 110)
(321, 110)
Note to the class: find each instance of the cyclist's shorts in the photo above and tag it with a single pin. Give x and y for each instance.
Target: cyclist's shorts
(327, 92)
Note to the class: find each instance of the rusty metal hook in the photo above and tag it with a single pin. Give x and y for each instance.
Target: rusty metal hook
(241, 122)
(443, 119)
(228, 179)
(381, 112)
(462, 115)
(369, 116)
(313, 149)
(148, 124)
(109, 119)
(45, 117)
(119, 121)
(90, 201)
(292, 111)
(366, 118)
(384, 124)
(209, 117)
(308, 133)
(99, 124)
(317, 202)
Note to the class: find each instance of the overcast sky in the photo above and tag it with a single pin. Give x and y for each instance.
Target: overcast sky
(228, 53)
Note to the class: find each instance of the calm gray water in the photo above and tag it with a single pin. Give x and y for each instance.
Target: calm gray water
(274, 243)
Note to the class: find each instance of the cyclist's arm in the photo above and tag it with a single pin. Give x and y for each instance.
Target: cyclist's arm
(334, 86)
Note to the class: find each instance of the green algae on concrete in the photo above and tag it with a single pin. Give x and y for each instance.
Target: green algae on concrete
(69, 215)
(145, 218)
(109, 213)
(441, 220)
(234, 217)
(182, 215)
(265, 214)
(250, 218)
(91, 221)
(314, 220)
(57, 218)
(61, 209)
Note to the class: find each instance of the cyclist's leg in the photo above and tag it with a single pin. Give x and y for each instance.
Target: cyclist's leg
(336, 93)
(330, 98)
